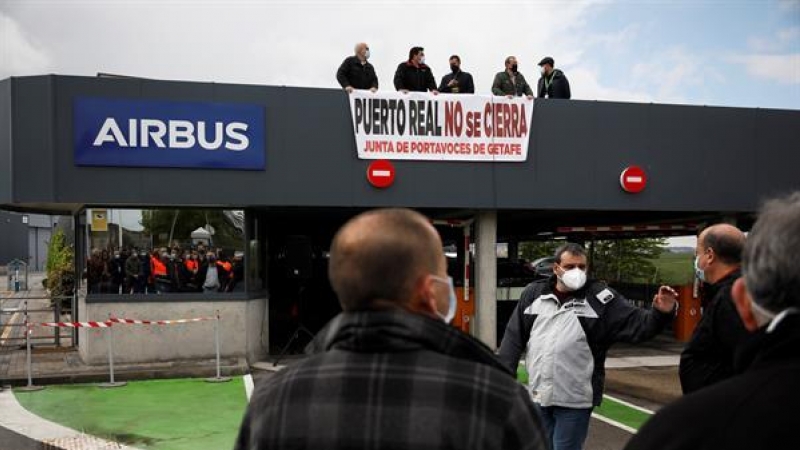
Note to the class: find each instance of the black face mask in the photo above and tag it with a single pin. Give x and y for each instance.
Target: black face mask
(454, 68)
(514, 68)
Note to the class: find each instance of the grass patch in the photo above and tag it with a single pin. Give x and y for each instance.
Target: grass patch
(675, 268)
(185, 414)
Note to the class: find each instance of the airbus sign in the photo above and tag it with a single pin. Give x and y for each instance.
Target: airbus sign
(154, 133)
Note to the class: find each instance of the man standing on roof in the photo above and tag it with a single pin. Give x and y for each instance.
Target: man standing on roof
(511, 82)
(457, 81)
(553, 83)
(356, 72)
(413, 75)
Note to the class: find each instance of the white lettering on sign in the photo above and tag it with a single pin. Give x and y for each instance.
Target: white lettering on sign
(178, 134)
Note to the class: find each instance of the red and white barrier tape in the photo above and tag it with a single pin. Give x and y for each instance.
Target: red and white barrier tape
(159, 322)
(113, 320)
(105, 324)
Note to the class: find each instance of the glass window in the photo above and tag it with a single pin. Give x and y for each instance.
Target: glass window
(160, 251)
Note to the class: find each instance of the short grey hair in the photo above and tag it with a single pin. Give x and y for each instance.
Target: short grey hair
(770, 255)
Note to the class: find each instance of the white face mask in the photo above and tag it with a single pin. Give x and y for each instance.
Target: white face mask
(573, 279)
(451, 307)
(543, 70)
(422, 60)
(698, 272)
(366, 55)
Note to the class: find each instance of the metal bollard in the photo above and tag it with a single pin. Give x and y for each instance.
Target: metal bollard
(28, 330)
(110, 340)
(57, 318)
(218, 378)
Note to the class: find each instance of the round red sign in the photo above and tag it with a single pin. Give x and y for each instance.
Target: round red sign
(380, 173)
(633, 179)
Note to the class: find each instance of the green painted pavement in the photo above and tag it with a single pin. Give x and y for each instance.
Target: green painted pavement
(621, 413)
(609, 409)
(184, 414)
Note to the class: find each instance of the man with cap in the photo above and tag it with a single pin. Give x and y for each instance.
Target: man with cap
(758, 408)
(553, 83)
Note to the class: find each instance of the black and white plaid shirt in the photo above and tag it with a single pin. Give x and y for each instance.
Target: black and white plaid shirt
(392, 380)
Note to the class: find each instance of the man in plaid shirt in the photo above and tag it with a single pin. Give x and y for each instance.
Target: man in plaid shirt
(389, 372)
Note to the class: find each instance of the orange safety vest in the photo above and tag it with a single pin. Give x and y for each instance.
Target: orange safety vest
(158, 268)
(191, 264)
(225, 265)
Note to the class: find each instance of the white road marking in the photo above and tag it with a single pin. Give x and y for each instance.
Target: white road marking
(614, 423)
(8, 328)
(248, 386)
(629, 405)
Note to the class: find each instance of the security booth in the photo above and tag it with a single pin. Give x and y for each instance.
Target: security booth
(261, 177)
(17, 270)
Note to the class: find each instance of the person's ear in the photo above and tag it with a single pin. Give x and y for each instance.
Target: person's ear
(742, 300)
(425, 299)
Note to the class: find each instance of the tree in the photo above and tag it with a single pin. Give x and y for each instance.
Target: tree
(627, 260)
(159, 224)
(532, 250)
(60, 266)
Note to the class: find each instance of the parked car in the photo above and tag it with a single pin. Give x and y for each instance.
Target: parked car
(543, 267)
(514, 273)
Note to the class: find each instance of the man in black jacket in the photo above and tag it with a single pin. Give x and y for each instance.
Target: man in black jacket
(553, 83)
(413, 75)
(758, 408)
(457, 81)
(389, 372)
(356, 72)
(708, 356)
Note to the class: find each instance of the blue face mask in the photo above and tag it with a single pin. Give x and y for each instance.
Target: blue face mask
(697, 271)
(451, 308)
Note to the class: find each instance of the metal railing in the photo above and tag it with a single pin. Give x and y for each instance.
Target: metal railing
(18, 312)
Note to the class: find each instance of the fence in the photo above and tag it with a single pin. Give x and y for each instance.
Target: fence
(109, 326)
(12, 307)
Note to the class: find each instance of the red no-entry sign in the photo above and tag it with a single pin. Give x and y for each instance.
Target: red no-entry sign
(380, 173)
(633, 179)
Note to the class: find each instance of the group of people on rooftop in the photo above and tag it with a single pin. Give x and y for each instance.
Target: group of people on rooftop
(413, 75)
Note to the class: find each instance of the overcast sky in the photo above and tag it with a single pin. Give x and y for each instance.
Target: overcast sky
(728, 53)
(732, 53)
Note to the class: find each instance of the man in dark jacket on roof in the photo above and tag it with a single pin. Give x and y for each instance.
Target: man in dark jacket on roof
(709, 354)
(356, 72)
(413, 75)
(457, 81)
(758, 408)
(553, 83)
(565, 325)
(390, 372)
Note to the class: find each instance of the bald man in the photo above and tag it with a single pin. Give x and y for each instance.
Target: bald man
(709, 356)
(356, 72)
(389, 372)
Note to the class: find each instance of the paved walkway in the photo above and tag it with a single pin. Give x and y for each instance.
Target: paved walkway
(15, 418)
